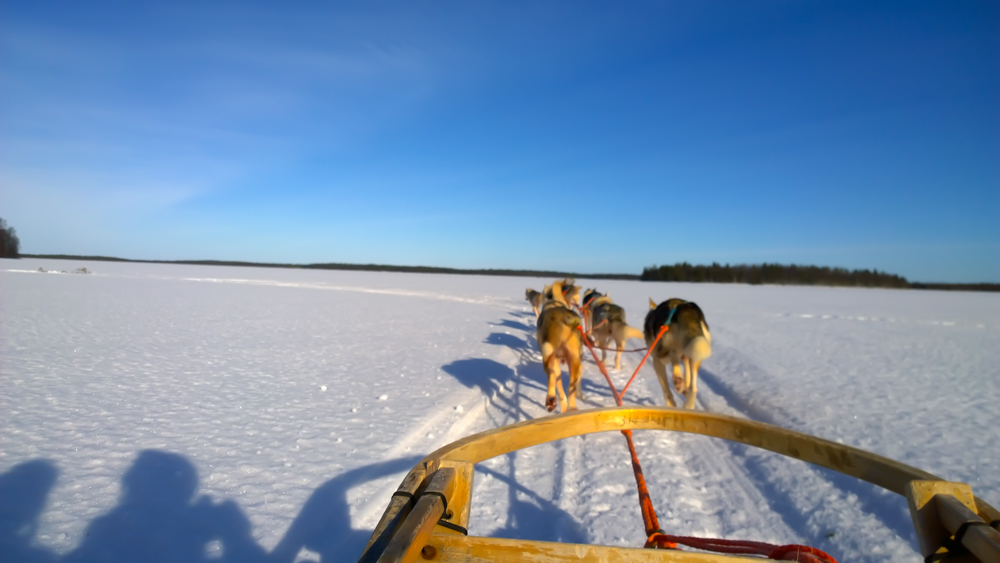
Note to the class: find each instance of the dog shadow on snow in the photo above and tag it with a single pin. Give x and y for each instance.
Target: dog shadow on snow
(517, 325)
(531, 371)
(496, 381)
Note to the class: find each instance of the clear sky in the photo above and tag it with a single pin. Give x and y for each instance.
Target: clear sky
(582, 136)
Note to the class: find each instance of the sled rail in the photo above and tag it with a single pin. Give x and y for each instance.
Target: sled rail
(429, 512)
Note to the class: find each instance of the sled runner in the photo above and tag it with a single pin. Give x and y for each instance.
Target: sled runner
(428, 516)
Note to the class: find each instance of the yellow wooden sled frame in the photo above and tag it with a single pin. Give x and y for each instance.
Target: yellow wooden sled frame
(426, 516)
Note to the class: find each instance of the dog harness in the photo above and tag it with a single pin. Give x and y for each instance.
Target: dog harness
(670, 316)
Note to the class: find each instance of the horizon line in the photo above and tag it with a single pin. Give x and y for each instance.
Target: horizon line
(972, 286)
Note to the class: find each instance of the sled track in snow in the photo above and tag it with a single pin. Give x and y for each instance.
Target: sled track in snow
(847, 517)
(700, 486)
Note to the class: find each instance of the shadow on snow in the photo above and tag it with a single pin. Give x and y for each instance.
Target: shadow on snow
(889, 508)
(158, 518)
(23, 493)
(324, 524)
(532, 517)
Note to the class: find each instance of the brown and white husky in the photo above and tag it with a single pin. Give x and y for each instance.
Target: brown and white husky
(687, 343)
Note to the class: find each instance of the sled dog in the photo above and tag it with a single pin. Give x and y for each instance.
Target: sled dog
(607, 323)
(588, 298)
(535, 298)
(687, 343)
(571, 292)
(559, 341)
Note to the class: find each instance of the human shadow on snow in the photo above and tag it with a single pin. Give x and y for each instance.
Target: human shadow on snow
(158, 519)
(324, 523)
(23, 493)
(532, 517)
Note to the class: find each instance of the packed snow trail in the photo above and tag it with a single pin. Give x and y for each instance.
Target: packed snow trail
(297, 400)
(701, 486)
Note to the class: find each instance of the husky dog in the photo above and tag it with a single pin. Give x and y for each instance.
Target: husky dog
(560, 341)
(607, 322)
(535, 298)
(571, 292)
(687, 342)
(588, 298)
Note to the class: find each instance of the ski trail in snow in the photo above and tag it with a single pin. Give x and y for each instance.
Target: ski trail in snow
(328, 287)
(869, 523)
(486, 300)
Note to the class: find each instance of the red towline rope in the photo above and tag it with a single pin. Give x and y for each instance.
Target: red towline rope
(663, 330)
(657, 538)
(791, 552)
(649, 519)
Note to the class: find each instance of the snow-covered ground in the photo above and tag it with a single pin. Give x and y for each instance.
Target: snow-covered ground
(210, 413)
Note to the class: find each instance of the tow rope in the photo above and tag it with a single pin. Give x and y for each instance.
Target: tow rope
(655, 536)
(649, 518)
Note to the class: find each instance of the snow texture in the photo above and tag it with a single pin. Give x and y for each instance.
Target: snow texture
(186, 413)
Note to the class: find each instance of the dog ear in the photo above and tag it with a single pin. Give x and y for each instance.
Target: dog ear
(652, 304)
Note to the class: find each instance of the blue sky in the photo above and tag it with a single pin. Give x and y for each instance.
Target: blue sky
(582, 136)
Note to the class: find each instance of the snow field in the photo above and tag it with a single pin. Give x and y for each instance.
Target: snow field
(304, 396)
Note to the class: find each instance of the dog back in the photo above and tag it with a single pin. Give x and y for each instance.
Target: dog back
(608, 312)
(659, 316)
(590, 296)
(690, 316)
(553, 320)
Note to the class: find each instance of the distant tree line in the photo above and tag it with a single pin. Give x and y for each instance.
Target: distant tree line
(10, 245)
(683, 272)
(772, 274)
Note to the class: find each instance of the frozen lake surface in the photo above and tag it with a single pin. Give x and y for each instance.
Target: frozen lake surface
(248, 414)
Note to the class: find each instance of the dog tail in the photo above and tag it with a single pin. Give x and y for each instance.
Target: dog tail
(698, 349)
(632, 332)
(573, 321)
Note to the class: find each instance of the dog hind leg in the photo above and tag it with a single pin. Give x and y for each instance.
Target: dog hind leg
(550, 362)
(679, 383)
(575, 379)
(661, 373)
(559, 389)
(691, 376)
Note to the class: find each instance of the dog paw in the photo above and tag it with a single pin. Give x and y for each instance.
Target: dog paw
(550, 404)
(679, 384)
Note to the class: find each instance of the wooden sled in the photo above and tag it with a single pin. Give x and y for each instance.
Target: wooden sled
(428, 515)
